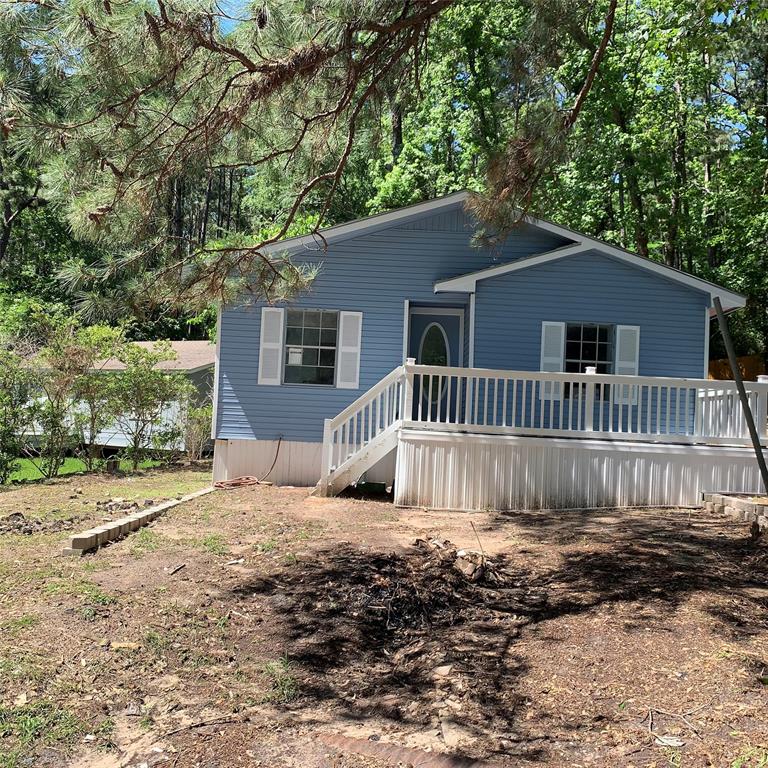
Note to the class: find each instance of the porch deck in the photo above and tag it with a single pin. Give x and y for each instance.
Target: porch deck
(645, 420)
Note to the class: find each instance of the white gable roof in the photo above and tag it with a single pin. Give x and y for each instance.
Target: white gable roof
(468, 283)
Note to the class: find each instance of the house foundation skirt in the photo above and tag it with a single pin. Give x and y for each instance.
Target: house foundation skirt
(476, 472)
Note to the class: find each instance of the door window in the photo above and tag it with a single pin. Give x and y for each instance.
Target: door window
(434, 346)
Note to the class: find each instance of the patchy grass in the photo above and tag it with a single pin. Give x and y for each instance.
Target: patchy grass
(21, 666)
(90, 593)
(20, 623)
(213, 543)
(28, 471)
(146, 540)
(597, 616)
(751, 758)
(30, 726)
(284, 687)
(269, 545)
(155, 642)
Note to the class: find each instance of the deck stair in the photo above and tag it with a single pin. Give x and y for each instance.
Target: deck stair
(363, 433)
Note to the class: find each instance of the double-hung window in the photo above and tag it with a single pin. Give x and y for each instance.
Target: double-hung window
(310, 346)
(588, 344)
(311, 340)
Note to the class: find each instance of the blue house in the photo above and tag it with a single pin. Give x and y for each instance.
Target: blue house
(550, 370)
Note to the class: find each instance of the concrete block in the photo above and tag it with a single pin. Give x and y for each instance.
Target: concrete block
(762, 521)
(709, 506)
(84, 540)
(719, 508)
(73, 552)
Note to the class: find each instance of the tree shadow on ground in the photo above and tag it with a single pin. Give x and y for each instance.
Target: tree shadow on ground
(408, 636)
(655, 557)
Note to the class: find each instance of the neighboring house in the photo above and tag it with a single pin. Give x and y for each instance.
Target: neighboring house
(466, 376)
(195, 359)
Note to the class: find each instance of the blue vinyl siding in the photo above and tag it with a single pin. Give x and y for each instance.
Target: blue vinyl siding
(373, 273)
(590, 288)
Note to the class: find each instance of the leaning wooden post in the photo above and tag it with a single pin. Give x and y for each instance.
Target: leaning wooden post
(748, 417)
(589, 402)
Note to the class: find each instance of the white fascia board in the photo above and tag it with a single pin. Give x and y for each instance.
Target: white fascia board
(467, 283)
(731, 300)
(317, 242)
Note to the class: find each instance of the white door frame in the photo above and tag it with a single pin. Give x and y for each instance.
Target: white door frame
(455, 311)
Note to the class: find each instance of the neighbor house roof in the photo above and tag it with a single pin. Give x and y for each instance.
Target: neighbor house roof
(191, 356)
(466, 283)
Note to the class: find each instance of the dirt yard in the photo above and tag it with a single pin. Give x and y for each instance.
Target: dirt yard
(263, 627)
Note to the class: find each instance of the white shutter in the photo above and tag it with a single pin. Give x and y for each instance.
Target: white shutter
(626, 363)
(552, 356)
(271, 346)
(348, 353)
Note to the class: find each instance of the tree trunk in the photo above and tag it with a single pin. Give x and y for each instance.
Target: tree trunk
(672, 251)
(631, 180)
(397, 131)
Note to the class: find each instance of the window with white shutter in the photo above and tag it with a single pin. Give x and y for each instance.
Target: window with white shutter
(627, 361)
(311, 340)
(348, 359)
(552, 356)
(271, 345)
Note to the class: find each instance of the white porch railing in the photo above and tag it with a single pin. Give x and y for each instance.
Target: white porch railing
(648, 409)
(653, 409)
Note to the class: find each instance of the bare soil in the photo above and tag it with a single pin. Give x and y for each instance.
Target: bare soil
(264, 627)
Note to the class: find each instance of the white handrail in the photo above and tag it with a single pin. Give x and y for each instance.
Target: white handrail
(610, 378)
(368, 419)
(366, 397)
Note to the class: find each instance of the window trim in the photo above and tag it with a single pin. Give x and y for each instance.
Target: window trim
(283, 382)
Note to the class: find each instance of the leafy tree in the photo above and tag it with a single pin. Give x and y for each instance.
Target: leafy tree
(142, 395)
(62, 372)
(92, 388)
(197, 421)
(180, 112)
(15, 415)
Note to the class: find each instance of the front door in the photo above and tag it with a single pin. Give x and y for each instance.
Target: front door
(436, 338)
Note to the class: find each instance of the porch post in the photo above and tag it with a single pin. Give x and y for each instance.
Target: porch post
(589, 402)
(407, 414)
(762, 407)
(326, 458)
(748, 417)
